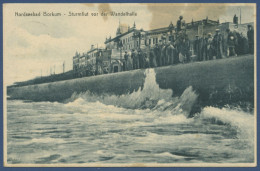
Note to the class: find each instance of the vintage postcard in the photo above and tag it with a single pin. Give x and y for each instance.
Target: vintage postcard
(129, 85)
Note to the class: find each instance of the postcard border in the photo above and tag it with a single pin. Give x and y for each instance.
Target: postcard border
(137, 167)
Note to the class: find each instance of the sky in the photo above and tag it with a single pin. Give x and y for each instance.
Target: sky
(33, 45)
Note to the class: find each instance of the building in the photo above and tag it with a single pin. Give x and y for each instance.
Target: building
(92, 55)
(126, 39)
(155, 36)
(76, 61)
(201, 28)
(85, 64)
(103, 61)
(240, 28)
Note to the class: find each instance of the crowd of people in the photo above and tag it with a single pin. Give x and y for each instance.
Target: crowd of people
(181, 50)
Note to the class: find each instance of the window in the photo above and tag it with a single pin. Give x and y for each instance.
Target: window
(149, 41)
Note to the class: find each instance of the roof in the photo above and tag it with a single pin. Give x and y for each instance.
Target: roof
(204, 21)
(121, 35)
(166, 29)
(92, 50)
(158, 30)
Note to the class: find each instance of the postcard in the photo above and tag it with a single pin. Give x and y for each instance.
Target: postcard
(129, 85)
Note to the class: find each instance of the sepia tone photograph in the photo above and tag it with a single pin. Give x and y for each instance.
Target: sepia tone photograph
(129, 84)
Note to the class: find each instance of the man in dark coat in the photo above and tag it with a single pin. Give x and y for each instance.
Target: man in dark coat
(217, 43)
(183, 47)
(135, 60)
(196, 47)
(175, 55)
(170, 51)
(235, 19)
(179, 24)
(209, 48)
(203, 47)
(146, 62)
(231, 43)
(163, 54)
(126, 56)
(157, 53)
(244, 45)
(167, 55)
(140, 58)
(250, 37)
(186, 43)
(152, 58)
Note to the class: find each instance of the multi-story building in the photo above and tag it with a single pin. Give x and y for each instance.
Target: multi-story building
(83, 63)
(103, 61)
(158, 35)
(76, 61)
(126, 39)
(92, 55)
(130, 38)
(240, 28)
(201, 27)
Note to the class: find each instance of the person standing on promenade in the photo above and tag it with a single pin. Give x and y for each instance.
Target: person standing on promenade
(250, 37)
(140, 57)
(146, 61)
(157, 54)
(152, 58)
(163, 54)
(135, 59)
(196, 47)
(231, 42)
(126, 56)
(130, 62)
(209, 49)
(217, 43)
(170, 54)
(203, 47)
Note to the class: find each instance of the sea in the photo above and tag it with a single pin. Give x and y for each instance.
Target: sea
(149, 125)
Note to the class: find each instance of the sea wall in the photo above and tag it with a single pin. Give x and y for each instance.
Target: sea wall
(218, 82)
(224, 81)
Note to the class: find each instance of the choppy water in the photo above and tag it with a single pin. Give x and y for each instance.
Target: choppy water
(146, 126)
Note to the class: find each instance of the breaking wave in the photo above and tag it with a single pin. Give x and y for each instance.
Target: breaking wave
(146, 126)
(242, 121)
(152, 105)
(162, 102)
(151, 96)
